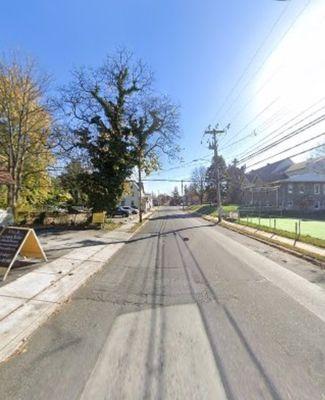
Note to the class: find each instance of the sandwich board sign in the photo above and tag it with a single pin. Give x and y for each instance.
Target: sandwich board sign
(15, 241)
(99, 218)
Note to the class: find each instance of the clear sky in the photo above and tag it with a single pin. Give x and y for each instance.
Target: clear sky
(197, 48)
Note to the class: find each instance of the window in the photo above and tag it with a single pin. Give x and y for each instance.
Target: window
(301, 188)
(317, 188)
(290, 188)
(317, 204)
(289, 204)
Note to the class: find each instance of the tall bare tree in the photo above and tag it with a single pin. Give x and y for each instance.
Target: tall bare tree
(119, 123)
(155, 131)
(199, 182)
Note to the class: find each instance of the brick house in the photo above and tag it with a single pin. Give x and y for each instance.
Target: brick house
(287, 186)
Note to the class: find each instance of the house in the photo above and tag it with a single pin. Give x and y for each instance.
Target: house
(132, 197)
(287, 186)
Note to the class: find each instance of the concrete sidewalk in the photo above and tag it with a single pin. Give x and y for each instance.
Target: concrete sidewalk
(305, 247)
(267, 235)
(29, 300)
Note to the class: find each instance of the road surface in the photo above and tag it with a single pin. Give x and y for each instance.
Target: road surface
(185, 310)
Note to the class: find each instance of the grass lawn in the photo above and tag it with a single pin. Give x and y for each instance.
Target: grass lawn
(311, 228)
(312, 231)
(207, 209)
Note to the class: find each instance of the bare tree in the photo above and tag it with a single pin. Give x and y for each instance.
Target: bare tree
(199, 178)
(119, 122)
(97, 106)
(155, 131)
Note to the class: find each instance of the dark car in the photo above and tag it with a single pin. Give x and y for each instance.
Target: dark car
(120, 211)
(132, 210)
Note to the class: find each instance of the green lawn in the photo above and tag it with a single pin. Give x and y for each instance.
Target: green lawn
(308, 227)
(206, 209)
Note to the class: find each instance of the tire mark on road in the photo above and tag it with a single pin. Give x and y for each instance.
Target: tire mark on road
(267, 380)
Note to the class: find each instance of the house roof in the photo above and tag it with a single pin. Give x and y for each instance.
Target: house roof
(270, 172)
(5, 178)
(297, 166)
(309, 177)
(317, 163)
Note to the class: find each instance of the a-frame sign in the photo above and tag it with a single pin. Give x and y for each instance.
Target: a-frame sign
(15, 241)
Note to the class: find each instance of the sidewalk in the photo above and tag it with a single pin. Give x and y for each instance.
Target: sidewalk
(28, 301)
(267, 235)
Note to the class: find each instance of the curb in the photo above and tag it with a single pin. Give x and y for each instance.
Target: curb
(273, 243)
(277, 245)
(35, 311)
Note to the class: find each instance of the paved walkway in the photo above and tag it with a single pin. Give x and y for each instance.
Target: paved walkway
(57, 241)
(267, 235)
(29, 300)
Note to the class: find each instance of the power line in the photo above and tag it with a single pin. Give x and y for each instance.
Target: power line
(293, 155)
(282, 37)
(253, 133)
(168, 180)
(272, 76)
(246, 69)
(283, 139)
(253, 120)
(266, 138)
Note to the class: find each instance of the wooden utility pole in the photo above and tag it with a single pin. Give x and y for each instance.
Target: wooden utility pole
(213, 145)
(182, 193)
(140, 192)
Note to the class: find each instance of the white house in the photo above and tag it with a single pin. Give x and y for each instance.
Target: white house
(132, 198)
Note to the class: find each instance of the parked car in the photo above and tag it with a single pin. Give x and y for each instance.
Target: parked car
(131, 209)
(78, 209)
(58, 209)
(120, 211)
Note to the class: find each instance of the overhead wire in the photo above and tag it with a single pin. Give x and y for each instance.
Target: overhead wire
(267, 138)
(283, 139)
(246, 69)
(292, 155)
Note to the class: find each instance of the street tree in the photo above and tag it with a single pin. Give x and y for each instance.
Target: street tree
(234, 178)
(176, 198)
(216, 176)
(25, 130)
(98, 103)
(155, 131)
(199, 182)
(71, 181)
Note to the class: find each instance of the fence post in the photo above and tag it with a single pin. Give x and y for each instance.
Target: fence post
(296, 233)
(299, 228)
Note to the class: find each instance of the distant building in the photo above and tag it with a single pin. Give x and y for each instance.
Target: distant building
(132, 197)
(287, 186)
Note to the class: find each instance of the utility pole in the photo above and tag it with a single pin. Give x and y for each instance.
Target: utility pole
(182, 193)
(213, 145)
(140, 191)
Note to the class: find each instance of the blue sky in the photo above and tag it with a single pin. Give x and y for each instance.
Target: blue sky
(196, 48)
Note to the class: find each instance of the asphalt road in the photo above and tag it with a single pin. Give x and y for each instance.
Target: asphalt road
(185, 310)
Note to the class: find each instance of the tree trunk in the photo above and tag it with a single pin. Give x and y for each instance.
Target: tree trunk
(12, 199)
